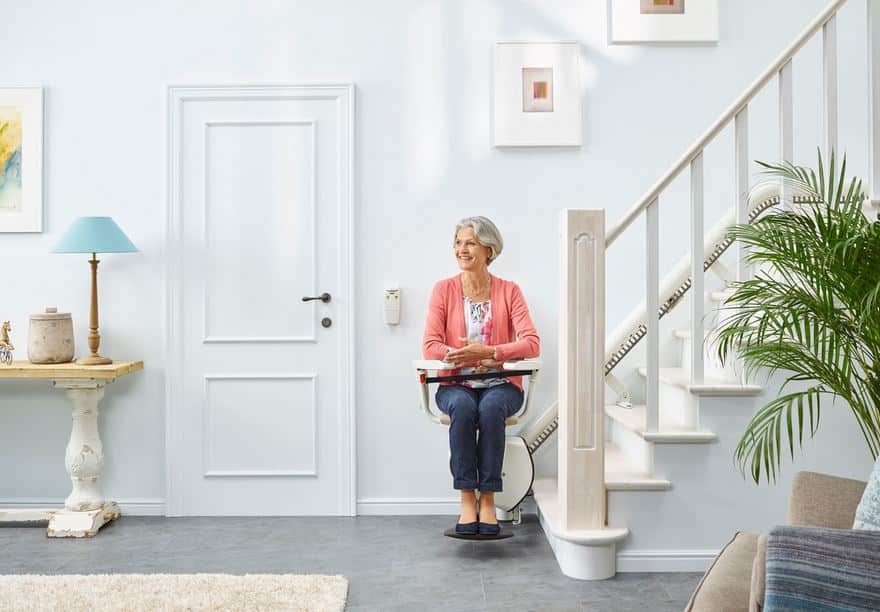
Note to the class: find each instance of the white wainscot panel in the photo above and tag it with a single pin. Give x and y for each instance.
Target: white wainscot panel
(259, 231)
(260, 425)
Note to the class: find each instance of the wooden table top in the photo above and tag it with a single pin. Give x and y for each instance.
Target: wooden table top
(110, 371)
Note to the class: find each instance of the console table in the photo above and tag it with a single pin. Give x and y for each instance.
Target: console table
(85, 510)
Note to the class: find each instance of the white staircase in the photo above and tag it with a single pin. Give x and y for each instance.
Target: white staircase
(577, 524)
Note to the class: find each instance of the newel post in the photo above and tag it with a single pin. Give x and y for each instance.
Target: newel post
(581, 377)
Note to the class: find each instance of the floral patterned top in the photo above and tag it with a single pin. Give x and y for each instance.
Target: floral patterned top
(478, 321)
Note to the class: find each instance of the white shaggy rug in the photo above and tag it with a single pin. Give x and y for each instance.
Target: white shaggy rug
(127, 592)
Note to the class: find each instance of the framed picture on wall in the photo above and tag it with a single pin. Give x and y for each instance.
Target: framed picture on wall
(662, 21)
(21, 159)
(536, 95)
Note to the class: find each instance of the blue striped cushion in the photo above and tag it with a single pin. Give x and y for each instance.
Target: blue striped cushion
(816, 568)
(868, 512)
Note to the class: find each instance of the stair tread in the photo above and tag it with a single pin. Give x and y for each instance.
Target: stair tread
(685, 334)
(710, 386)
(635, 419)
(720, 296)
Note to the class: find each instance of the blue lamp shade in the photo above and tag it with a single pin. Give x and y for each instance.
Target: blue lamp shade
(94, 235)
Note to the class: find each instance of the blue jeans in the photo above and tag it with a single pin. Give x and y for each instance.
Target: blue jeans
(477, 460)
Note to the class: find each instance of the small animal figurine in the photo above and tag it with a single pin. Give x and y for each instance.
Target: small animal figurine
(6, 346)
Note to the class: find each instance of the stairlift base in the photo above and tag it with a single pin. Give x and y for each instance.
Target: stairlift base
(513, 516)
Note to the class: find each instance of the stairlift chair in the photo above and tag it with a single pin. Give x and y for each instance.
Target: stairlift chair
(518, 470)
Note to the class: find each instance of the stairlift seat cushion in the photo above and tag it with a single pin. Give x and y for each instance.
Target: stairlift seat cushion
(868, 511)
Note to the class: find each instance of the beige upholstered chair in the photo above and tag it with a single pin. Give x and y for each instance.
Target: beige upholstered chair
(735, 580)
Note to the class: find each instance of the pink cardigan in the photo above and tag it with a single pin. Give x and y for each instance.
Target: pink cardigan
(513, 335)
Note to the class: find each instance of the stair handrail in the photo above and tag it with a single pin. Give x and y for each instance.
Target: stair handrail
(722, 122)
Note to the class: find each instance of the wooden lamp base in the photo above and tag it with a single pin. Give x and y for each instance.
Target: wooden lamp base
(93, 360)
(94, 338)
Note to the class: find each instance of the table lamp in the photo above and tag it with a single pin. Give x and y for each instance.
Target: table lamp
(94, 235)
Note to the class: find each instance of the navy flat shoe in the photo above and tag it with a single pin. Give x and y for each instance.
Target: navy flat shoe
(488, 529)
(467, 528)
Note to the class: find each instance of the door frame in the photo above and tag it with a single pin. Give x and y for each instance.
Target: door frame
(176, 97)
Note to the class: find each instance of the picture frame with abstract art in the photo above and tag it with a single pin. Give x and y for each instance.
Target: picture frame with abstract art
(536, 95)
(21, 159)
(662, 21)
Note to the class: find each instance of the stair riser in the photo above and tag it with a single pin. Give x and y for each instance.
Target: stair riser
(638, 452)
(712, 367)
(678, 408)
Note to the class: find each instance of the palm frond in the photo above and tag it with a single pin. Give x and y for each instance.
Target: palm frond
(812, 312)
(760, 449)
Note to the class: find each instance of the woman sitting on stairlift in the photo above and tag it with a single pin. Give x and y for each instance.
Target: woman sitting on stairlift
(477, 321)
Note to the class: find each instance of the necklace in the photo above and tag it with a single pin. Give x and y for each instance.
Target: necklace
(470, 292)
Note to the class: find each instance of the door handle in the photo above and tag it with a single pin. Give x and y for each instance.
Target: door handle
(324, 297)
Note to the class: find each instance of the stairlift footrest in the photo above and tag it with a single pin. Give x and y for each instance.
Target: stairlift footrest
(503, 535)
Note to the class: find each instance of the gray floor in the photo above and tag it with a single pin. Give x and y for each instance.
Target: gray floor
(392, 563)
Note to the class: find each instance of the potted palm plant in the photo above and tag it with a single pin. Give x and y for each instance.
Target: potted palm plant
(811, 312)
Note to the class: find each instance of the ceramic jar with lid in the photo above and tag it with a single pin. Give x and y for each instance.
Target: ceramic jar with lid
(50, 337)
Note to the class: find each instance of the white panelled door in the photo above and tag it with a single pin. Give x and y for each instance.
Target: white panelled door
(260, 417)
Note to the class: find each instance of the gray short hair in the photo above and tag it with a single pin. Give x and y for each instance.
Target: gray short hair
(486, 232)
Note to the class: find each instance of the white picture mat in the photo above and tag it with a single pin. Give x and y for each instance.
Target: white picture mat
(29, 218)
(698, 23)
(511, 126)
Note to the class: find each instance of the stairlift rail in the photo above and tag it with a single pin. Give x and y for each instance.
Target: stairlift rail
(676, 284)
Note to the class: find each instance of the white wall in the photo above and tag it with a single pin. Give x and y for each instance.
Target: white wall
(423, 160)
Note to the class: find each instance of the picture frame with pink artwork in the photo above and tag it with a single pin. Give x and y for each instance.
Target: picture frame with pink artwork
(536, 95)
(662, 21)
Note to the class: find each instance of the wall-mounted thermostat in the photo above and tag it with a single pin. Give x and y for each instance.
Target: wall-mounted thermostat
(392, 303)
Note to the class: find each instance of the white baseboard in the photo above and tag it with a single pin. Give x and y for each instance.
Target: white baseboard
(665, 560)
(129, 507)
(386, 506)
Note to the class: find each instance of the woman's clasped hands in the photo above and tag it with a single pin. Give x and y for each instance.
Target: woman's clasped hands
(473, 354)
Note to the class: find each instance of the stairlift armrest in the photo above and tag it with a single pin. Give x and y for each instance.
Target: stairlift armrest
(524, 364)
(436, 364)
(432, 364)
(422, 366)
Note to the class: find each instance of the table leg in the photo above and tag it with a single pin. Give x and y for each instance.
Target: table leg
(85, 509)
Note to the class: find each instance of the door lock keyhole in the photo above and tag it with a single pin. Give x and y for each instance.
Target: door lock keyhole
(326, 322)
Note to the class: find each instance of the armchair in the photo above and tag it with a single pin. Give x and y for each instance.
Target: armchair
(818, 504)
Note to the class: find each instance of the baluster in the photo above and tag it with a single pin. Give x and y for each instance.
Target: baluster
(829, 85)
(697, 286)
(652, 321)
(741, 128)
(786, 141)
